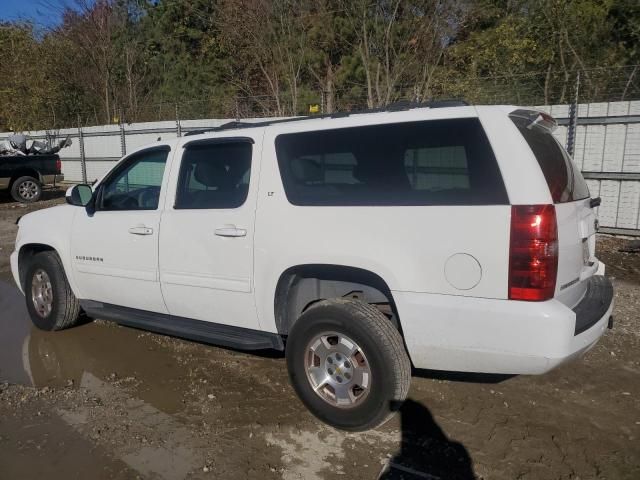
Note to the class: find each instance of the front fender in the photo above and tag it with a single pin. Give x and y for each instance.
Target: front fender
(50, 227)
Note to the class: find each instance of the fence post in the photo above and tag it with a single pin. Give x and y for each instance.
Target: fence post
(178, 126)
(573, 119)
(83, 160)
(123, 137)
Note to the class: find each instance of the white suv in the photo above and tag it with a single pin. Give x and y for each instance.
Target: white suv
(442, 237)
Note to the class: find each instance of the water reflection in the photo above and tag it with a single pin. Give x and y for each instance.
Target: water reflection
(30, 356)
(33, 357)
(15, 331)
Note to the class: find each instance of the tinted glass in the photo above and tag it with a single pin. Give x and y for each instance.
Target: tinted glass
(214, 175)
(135, 185)
(440, 162)
(565, 181)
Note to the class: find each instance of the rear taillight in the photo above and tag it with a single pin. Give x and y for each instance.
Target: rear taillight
(58, 166)
(533, 252)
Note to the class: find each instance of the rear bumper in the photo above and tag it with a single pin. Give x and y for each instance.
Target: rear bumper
(466, 334)
(595, 303)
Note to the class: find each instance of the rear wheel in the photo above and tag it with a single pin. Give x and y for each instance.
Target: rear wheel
(50, 301)
(26, 190)
(348, 364)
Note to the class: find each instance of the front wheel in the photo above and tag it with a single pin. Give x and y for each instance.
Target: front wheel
(26, 190)
(50, 301)
(348, 364)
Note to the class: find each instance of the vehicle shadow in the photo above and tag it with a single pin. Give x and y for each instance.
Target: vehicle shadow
(467, 377)
(426, 452)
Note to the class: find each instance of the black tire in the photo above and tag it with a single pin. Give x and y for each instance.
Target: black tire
(380, 342)
(65, 309)
(26, 190)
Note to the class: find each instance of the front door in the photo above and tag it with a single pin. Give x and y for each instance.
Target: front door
(206, 241)
(115, 249)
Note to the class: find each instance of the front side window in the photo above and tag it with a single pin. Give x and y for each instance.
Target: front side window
(437, 162)
(214, 175)
(135, 185)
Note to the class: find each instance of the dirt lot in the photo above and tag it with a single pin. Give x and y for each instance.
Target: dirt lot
(103, 401)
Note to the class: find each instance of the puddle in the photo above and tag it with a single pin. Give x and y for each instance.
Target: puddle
(15, 331)
(33, 357)
(186, 406)
(149, 415)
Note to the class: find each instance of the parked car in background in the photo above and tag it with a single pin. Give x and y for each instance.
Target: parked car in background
(450, 237)
(25, 175)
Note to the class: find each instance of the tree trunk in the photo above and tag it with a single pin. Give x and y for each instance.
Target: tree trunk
(107, 106)
(329, 90)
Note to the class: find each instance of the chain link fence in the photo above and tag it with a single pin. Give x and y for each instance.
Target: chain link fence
(599, 120)
(537, 88)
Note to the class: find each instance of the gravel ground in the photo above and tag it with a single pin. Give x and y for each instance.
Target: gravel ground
(104, 401)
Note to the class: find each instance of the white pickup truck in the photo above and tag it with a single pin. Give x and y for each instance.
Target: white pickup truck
(444, 237)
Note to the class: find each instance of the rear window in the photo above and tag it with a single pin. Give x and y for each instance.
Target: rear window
(440, 162)
(565, 181)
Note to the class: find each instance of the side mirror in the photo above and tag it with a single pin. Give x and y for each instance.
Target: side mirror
(79, 195)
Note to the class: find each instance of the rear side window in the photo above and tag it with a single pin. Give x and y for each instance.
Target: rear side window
(214, 176)
(565, 181)
(438, 162)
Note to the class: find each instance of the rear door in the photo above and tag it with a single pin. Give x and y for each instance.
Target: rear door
(570, 194)
(206, 240)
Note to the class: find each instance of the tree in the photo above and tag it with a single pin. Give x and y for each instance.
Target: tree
(400, 45)
(531, 51)
(91, 31)
(28, 94)
(138, 60)
(269, 45)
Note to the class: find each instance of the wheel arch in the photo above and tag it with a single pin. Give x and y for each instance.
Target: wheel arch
(26, 253)
(24, 172)
(47, 229)
(301, 286)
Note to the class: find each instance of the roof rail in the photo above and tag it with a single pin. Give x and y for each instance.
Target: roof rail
(225, 126)
(392, 107)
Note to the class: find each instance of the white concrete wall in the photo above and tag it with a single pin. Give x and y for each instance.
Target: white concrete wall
(612, 148)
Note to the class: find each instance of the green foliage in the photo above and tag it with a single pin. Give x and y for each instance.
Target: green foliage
(24, 77)
(142, 60)
(537, 47)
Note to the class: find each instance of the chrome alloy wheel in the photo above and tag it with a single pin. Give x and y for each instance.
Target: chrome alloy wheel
(337, 369)
(41, 293)
(28, 189)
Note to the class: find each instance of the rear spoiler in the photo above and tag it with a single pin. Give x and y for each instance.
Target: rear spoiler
(536, 119)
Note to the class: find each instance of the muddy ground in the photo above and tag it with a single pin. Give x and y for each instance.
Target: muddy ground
(102, 401)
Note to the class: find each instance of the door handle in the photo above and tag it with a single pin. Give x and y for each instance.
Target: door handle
(231, 231)
(141, 230)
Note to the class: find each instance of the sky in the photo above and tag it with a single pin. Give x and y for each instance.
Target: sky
(44, 13)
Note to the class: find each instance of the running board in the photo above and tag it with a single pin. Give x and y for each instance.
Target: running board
(188, 328)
